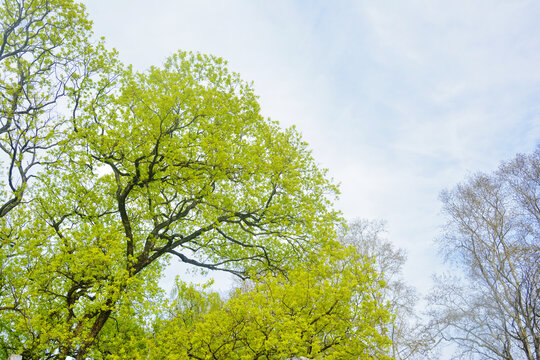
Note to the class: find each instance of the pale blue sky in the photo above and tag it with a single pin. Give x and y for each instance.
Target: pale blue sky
(398, 99)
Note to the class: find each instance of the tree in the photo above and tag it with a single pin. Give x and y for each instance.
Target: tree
(47, 62)
(326, 308)
(409, 340)
(142, 167)
(492, 235)
(44, 59)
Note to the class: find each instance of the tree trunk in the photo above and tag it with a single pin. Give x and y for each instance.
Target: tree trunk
(96, 328)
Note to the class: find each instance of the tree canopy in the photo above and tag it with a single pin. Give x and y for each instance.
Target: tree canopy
(327, 308)
(108, 173)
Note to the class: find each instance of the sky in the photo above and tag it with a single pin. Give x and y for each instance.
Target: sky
(399, 100)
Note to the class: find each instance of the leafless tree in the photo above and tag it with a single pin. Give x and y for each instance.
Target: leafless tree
(409, 341)
(490, 308)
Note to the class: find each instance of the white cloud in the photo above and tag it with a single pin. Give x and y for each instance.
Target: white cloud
(398, 99)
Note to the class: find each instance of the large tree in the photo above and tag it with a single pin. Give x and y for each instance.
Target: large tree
(173, 162)
(492, 311)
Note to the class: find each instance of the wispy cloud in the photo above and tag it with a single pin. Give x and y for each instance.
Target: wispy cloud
(398, 99)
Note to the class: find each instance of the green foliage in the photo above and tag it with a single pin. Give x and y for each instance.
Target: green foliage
(326, 308)
(111, 172)
(45, 58)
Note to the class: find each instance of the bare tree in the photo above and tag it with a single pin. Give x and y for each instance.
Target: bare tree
(491, 311)
(409, 341)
